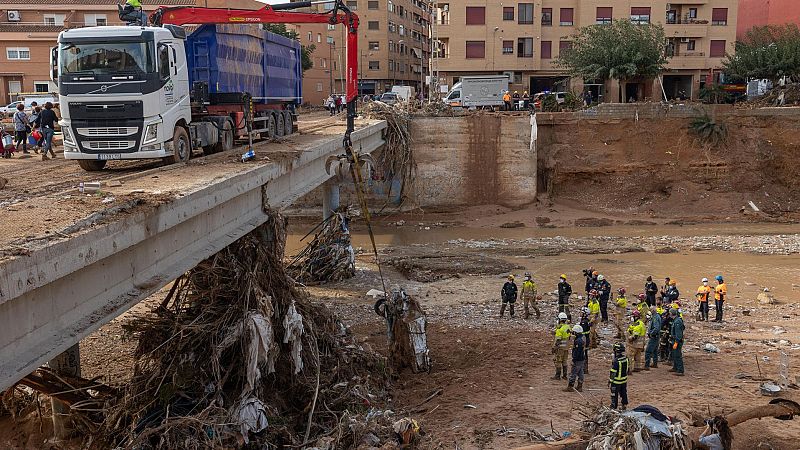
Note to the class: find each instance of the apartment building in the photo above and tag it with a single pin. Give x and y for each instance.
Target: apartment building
(523, 40)
(29, 28)
(393, 46)
(766, 12)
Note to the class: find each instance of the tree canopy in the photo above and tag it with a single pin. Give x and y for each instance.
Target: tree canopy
(766, 52)
(620, 50)
(306, 50)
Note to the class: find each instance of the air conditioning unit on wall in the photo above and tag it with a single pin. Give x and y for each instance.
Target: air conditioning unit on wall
(14, 16)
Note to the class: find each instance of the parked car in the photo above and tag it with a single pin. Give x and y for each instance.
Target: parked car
(11, 108)
(390, 98)
(537, 98)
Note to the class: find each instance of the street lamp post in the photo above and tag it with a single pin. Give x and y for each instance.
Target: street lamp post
(330, 61)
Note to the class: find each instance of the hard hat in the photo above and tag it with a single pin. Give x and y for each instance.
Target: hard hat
(621, 291)
(673, 311)
(563, 276)
(704, 280)
(594, 272)
(718, 277)
(593, 293)
(650, 278)
(601, 277)
(585, 310)
(619, 347)
(527, 274)
(641, 296)
(577, 329)
(636, 314)
(511, 277)
(562, 316)
(672, 282)
(677, 302)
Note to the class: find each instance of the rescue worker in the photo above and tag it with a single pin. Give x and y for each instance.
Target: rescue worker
(720, 292)
(591, 279)
(561, 347)
(671, 293)
(703, 293)
(529, 296)
(665, 346)
(578, 360)
(663, 292)
(641, 305)
(620, 308)
(676, 337)
(515, 100)
(604, 288)
(509, 296)
(507, 101)
(132, 13)
(618, 378)
(636, 332)
(650, 291)
(594, 317)
(586, 326)
(653, 338)
(564, 292)
(526, 100)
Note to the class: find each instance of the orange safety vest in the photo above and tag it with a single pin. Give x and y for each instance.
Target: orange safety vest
(703, 292)
(720, 290)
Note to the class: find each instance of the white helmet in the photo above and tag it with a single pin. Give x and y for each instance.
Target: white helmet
(577, 329)
(704, 280)
(601, 278)
(562, 316)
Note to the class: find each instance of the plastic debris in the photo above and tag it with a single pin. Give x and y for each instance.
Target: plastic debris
(711, 348)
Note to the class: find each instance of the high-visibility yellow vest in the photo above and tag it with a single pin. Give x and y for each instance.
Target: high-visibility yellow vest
(619, 376)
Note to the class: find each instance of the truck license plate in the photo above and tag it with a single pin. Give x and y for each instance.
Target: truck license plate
(107, 156)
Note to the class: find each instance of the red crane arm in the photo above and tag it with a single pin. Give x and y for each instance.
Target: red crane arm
(340, 14)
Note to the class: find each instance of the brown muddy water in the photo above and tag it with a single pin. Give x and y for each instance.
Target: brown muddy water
(746, 274)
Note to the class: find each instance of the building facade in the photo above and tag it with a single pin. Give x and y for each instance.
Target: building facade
(393, 46)
(524, 40)
(29, 29)
(766, 12)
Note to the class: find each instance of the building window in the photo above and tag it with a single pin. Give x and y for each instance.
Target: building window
(564, 47)
(693, 13)
(319, 87)
(567, 17)
(547, 49)
(476, 15)
(352, 4)
(310, 37)
(508, 47)
(373, 25)
(604, 15)
(719, 16)
(18, 53)
(95, 20)
(391, 65)
(476, 49)
(324, 63)
(372, 4)
(641, 15)
(14, 87)
(374, 45)
(547, 17)
(508, 13)
(525, 13)
(690, 45)
(54, 19)
(41, 86)
(319, 37)
(374, 65)
(525, 48)
(717, 49)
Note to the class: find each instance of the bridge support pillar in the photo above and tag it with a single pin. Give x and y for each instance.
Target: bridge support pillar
(67, 363)
(330, 198)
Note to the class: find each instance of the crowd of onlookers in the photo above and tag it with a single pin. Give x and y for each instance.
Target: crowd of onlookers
(34, 129)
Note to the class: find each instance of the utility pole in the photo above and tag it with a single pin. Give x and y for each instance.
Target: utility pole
(330, 61)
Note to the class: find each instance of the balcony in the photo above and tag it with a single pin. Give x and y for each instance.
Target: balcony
(694, 30)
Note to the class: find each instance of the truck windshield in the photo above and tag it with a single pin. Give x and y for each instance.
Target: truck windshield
(107, 58)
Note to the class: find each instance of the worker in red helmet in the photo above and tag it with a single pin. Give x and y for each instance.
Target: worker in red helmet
(636, 333)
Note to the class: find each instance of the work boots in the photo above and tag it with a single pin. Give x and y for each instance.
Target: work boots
(579, 388)
(511, 309)
(502, 310)
(564, 374)
(586, 366)
(569, 387)
(557, 376)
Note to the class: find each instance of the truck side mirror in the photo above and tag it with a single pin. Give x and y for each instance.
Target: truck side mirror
(54, 64)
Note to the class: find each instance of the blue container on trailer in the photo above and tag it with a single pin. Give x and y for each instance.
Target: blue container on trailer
(233, 58)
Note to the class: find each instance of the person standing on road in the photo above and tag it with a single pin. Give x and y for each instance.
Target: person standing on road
(676, 337)
(515, 100)
(561, 347)
(578, 360)
(703, 294)
(604, 288)
(650, 291)
(586, 327)
(508, 296)
(526, 100)
(338, 103)
(529, 296)
(720, 292)
(47, 126)
(594, 317)
(507, 101)
(636, 332)
(618, 378)
(21, 129)
(653, 338)
(620, 308)
(564, 292)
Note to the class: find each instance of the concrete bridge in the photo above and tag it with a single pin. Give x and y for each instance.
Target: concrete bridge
(61, 292)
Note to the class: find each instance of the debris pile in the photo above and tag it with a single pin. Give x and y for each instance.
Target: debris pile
(406, 325)
(236, 355)
(329, 256)
(642, 427)
(777, 96)
(397, 158)
(437, 109)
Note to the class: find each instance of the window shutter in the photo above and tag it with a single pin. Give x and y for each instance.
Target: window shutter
(476, 15)
(547, 49)
(564, 46)
(476, 49)
(719, 14)
(603, 13)
(566, 14)
(641, 11)
(717, 48)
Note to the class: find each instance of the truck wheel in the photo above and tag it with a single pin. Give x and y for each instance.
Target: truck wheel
(287, 123)
(181, 147)
(91, 165)
(225, 137)
(269, 124)
(280, 125)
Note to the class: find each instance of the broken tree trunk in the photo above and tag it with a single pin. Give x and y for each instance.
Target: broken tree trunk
(406, 331)
(778, 409)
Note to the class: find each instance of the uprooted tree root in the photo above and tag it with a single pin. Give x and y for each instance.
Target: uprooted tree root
(329, 256)
(397, 158)
(237, 357)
